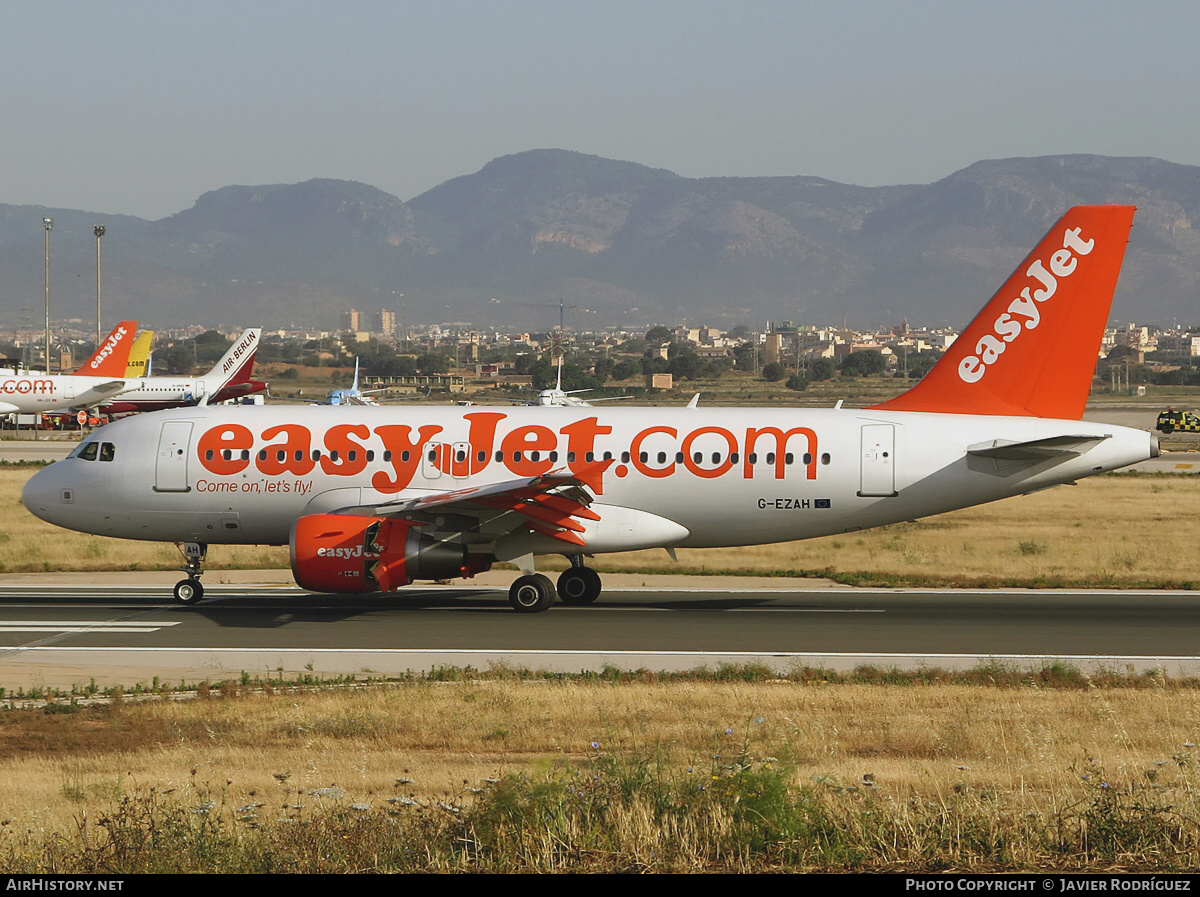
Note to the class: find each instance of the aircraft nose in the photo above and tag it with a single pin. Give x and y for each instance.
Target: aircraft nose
(46, 495)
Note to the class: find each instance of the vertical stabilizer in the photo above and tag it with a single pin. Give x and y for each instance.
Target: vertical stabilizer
(1032, 350)
(139, 356)
(236, 365)
(112, 355)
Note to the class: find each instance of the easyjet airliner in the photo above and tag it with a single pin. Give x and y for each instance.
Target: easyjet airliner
(373, 498)
(99, 378)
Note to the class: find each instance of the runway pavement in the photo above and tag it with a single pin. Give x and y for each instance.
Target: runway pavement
(73, 628)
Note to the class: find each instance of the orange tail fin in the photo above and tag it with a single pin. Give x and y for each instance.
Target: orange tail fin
(1032, 350)
(112, 355)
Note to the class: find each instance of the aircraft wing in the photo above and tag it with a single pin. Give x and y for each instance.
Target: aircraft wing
(551, 504)
(1035, 450)
(110, 386)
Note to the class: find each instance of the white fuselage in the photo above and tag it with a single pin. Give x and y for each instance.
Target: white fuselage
(684, 477)
(33, 393)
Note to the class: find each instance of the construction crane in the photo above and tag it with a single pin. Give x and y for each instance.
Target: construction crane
(562, 307)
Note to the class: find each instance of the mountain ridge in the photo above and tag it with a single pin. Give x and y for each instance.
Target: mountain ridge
(632, 243)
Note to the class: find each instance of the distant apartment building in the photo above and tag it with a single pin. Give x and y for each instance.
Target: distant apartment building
(387, 322)
(351, 321)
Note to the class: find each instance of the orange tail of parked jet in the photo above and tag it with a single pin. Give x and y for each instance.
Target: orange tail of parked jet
(112, 355)
(1032, 350)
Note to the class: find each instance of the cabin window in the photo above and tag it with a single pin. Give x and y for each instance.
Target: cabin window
(752, 458)
(825, 457)
(789, 458)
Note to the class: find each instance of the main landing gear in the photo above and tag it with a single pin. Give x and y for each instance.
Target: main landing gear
(189, 591)
(534, 593)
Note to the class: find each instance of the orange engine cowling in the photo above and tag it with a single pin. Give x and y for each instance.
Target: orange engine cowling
(333, 553)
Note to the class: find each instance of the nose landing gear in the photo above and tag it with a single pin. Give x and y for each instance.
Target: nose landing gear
(190, 591)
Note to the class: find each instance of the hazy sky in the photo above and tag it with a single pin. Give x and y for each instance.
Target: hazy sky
(122, 106)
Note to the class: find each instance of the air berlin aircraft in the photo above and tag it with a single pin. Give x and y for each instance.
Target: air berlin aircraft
(373, 498)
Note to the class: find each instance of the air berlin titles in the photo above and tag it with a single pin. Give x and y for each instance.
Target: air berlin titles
(1023, 313)
(247, 342)
(526, 451)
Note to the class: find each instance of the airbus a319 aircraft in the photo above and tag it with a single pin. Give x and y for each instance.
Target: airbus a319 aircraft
(99, 379)
(229, 378)
(371, 499)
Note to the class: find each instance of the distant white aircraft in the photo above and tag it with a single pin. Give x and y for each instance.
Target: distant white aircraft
(381, 497)
(556, 396)
(353, 395)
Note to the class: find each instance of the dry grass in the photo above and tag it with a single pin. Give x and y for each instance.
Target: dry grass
(1107, 531)
(938, 766)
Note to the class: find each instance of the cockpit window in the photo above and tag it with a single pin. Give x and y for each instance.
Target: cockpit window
(87, 451)
(106, 451)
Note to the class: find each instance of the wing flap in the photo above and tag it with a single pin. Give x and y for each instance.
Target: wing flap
(552, 504)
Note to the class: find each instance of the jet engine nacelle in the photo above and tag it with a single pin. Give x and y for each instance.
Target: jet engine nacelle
(334, 553)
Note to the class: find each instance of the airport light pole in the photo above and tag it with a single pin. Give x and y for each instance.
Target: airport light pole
(48, 224)
(98, 230)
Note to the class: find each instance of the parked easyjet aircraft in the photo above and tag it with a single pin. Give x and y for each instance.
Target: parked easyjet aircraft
(99, 378)
(370, 499)
(111, 358)
(228, 379)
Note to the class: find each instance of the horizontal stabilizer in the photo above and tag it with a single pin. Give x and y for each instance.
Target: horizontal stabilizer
(1034, 450)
